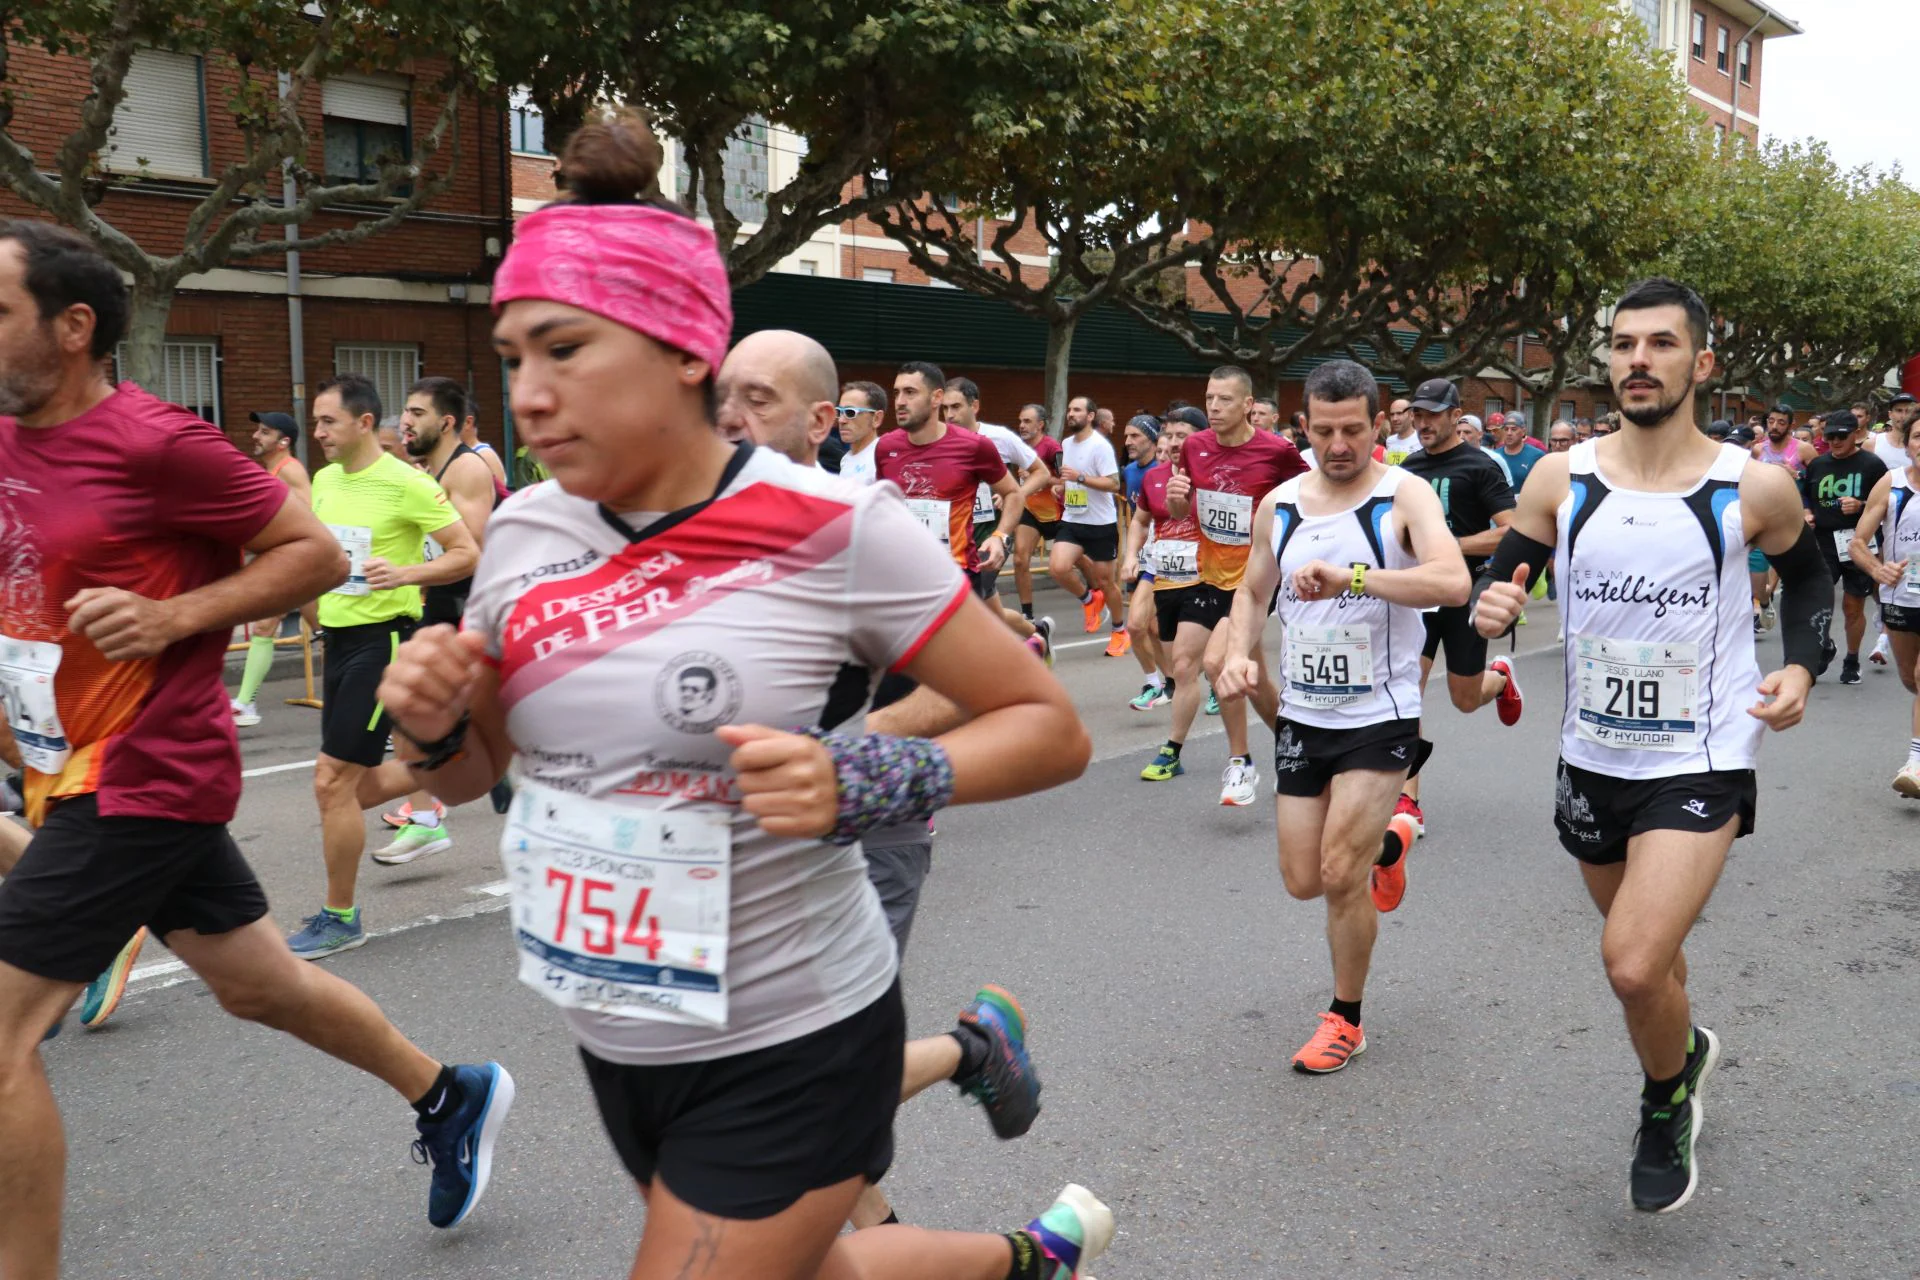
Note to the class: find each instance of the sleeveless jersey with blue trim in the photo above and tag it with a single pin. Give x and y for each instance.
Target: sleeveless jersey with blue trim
(1353, 660)
(1900, 540)
(1657, 609)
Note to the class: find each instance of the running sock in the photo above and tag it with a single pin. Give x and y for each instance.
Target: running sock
(1348, 1009)
(1390, 849)
(1157, 680)
(1173, 748)
(1088, 597)
(350, 916)
(443, 1099)
(1026, 610)
(974, 1048)
(1913, 751)
(430, 818)
(259, 662)
(1663, 1092)
(891, 1220)
(1030, 1260)
(1239, 759)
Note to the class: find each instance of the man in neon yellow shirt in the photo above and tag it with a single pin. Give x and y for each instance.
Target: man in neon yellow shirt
(382, 512)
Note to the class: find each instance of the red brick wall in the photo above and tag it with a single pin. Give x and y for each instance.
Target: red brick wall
(1705, 74)
(255, 369)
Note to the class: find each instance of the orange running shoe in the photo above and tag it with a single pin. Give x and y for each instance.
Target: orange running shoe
(1119, 645)
(1389, 884)
(1094, 610)
(1335, 1044)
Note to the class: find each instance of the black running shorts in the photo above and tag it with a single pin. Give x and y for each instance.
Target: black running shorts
(1466, 647)
(1210, 607)
(1305, 756)
(353, 724)
(745, 1137)
(1176, 605)
(1047, 529)
(1597, 814)
(1101, 542)
(1854, 580)
(87, 883)
(1900, 618)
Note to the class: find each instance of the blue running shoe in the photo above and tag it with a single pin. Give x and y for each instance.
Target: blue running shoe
(460, 1147)
(103, 994)
(1071, 1234)
(1006, 1084)
(326, 934)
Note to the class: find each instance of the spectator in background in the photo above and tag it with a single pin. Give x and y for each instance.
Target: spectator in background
(1265, 414)
(1582, 429)
(1605, 425)
(1560, 437)
(1518, 451)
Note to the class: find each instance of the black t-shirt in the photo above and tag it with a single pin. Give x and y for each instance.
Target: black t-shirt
(1471, 487)
(1828, 479)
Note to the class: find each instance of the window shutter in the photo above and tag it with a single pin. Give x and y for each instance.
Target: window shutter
(160, 121)
(392, 366)
(373, 99)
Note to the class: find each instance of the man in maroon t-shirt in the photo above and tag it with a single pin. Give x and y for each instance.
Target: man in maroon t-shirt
(124, 519)
(1225, 471)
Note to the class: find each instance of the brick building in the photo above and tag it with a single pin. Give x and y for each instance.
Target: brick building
(1717, 50)
(406, 302)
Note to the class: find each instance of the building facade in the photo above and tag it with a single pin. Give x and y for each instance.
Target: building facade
(404, 303)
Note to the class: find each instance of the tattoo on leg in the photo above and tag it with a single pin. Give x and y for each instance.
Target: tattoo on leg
(703, 1255)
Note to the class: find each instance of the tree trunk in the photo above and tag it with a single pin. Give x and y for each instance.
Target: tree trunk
(1059, 363)
(141, 361)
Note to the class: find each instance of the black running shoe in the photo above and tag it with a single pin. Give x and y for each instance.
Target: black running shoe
(501, 796)
(1664, 1175)
(1006, 1083)
(1703, 1055)
(1850, 669)
(1828, 652)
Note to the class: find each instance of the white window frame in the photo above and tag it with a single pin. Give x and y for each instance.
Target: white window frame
(163, 119)
(1743, 64)
(879, 275)
(189, 374)
(1720, 44)
(1493, 405)
(392, 366)
(1697, 37)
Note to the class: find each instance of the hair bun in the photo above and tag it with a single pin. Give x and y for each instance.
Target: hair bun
(614, 159)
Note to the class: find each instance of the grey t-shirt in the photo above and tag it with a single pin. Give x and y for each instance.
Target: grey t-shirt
(788, 577)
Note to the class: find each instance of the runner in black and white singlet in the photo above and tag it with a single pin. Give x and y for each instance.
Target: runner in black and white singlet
(1894, 512)
(1357, 549)
(1665, 701)
(687, 882)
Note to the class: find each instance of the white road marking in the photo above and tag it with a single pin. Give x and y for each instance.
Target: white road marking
(276, 768)
(159, 969)
(497, 889)
(1079, 644)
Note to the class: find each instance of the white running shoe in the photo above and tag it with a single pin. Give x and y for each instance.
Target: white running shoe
(414, 841)
(1239, 784)
(1907, 781)
(245, 714)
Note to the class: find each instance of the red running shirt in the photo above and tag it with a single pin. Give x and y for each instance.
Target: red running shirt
(1228, 484)
(939, 481)
(1044, 506)
(141, 495)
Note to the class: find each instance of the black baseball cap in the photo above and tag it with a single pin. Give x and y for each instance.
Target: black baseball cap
(281, 422)
(1840, 422)
(1905, 397)
(1719, 428)
(1436, 395)
(1738, 435)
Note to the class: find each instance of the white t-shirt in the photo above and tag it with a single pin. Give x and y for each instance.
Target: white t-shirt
(1092, 456)
(1306, 456)
(1013, 452)
(769, 595)
(1399, 447)
(858, 467)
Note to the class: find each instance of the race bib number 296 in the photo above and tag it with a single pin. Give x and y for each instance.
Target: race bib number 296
(1225, 518)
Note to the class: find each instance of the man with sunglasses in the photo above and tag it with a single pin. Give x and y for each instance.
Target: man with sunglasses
(862, 407)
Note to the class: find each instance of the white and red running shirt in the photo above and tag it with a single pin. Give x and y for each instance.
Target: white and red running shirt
(618, 656)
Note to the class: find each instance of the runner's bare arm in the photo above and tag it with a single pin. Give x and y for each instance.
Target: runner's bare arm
(298, 480)
(460, 552)
(1487, 542)
(1013, 499)
(469, 487)
(921, 714)
(294, 560)
(1771, 515)
(1137, 530)
(1240, 673)
(9, 749)
(1500, 597)
(1886, 573)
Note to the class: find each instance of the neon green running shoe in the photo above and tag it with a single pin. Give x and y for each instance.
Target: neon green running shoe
(1166, 767)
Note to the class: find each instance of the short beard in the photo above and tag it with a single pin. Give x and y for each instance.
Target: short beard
(1659, 413)
(33, 380)
(420, 446)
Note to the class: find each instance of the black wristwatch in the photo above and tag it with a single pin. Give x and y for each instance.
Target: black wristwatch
(442, 751)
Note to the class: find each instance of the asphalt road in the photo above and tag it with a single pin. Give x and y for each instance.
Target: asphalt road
(1169, 979)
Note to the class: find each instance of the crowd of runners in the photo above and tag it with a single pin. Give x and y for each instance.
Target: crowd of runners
(798, 580)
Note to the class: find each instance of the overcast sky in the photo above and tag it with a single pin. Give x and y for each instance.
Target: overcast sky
(1852, 81)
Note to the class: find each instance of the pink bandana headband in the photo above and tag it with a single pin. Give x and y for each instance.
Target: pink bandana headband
(655, 272)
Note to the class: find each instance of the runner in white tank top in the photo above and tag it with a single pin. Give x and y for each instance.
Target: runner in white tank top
(1893, 510)
(1354, 550)
(1665, 701)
